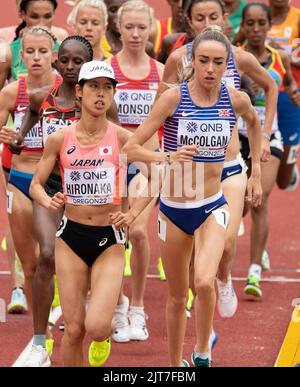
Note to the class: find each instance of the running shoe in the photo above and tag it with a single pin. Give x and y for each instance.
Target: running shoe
(227, 300)
(294, 179)
(120, 322)
(3, 244)
(160, 268)
(241, 231)
(38, 357)
(99, 352)
(49, 346)
(190, 301)
(138, 328)
(198, 362)
(56, 300)
(184, 363)
(18, 302)
(213, 339)
(265, 261)
(127, 269)
(61, 326)
(253, 287)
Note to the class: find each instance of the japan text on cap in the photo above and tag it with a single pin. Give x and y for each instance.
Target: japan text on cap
(96, 69)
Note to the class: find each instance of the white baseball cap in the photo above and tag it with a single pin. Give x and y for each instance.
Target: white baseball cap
(96, 69)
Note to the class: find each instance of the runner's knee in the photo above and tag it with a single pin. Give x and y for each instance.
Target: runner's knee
(204, 286)
(98, 331)
(74, 332)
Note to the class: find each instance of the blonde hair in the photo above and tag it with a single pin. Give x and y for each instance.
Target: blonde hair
(135, 5)
(213, 33)
(40, 31)
(99, 4)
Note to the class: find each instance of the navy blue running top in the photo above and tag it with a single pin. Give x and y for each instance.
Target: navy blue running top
(208, 127)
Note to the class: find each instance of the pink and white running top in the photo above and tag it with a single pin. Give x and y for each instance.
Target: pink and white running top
(92, 175)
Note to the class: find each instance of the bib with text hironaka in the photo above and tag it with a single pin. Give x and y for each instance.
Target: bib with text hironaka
(211, 136)
(134, 106)
(261, 112)
(34, 138)
(89, 186)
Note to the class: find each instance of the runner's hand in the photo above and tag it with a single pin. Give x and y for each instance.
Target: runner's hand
(57, 201)
(295, 98)
(16, 144)
(6, 135)
(120, 219)
(254, 191)
(265, 152)
(185, 153)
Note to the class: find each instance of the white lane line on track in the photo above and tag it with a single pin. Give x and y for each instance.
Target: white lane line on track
(5, 272)
(20, 360)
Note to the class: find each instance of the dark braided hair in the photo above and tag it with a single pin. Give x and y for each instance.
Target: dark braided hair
(23, 7)
(85, 43)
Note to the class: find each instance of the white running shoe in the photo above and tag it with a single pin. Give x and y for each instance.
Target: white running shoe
(241, 231)
(18, 302)
(265, 261)
(138, 329)
(38, 357)
(120, 322)
(293, 184)
(227, 300)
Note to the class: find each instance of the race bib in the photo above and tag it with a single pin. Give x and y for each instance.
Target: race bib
(211, 136)
(34, 138)
(89, 186)
(261, 112)
(53, 125)
(134, 106)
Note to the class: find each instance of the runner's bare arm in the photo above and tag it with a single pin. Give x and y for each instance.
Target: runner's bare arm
(7, 102)
(5, 65)
(36, 98)
(259, 75)
(112, 113)
(44, 169)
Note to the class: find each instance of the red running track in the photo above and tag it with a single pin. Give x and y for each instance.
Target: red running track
(251, 338)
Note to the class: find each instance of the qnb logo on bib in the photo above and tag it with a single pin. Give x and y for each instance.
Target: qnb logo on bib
(53, 125)
(134, 106)
(211, 136)
(90, 186)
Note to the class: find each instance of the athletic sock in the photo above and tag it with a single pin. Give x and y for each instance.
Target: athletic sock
(255, 271)
(39, 340)
(203, 355)
(136, 309)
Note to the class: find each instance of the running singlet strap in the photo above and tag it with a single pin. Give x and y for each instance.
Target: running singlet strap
(135, 97)
(208, 127)
(54, 118)
(180, 42)
(277, 71)
(231, 77)
(94, 174)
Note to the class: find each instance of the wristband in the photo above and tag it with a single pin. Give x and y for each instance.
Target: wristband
(266, 135)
